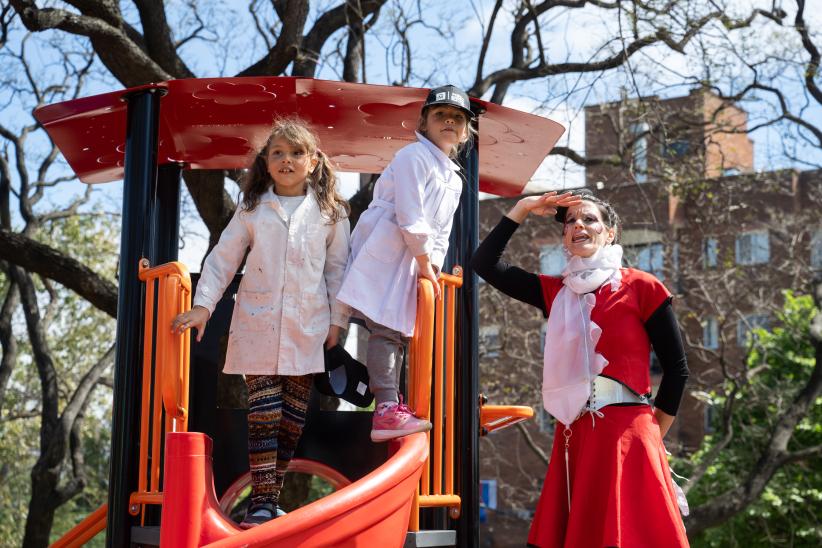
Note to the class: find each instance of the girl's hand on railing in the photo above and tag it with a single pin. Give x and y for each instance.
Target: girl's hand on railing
(426, 270)
(196, 317)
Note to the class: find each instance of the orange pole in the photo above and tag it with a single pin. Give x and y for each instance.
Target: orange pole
(420, 352)
(146, 391)
(84, 531)
(449, 393)
(414, 519)
(438, 384)
(185, 358)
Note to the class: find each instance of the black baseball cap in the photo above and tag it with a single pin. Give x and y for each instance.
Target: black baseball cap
(344, 378)
(451, 96)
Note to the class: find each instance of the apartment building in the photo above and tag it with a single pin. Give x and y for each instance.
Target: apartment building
(726, 241)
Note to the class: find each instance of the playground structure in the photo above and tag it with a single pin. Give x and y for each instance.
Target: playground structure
(148, 135)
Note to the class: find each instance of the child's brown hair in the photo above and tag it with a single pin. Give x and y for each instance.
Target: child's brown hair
(322, 179)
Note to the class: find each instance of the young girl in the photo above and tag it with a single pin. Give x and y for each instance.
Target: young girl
(295, 226)
(403, 235)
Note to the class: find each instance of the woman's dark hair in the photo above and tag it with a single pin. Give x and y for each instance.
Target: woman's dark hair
(609, 215)
(322, 180)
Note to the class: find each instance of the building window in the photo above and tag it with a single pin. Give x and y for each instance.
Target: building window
(709, 419)
(552, 259)
(747, 324)
(816, 249)
(676, 149)
(731, 171)
(488, 498)
(753, 247)
(639, 160)
(489, 341)
(710, 333)
(709, 252)
(648, 257)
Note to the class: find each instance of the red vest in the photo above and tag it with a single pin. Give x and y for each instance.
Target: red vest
(622, 315)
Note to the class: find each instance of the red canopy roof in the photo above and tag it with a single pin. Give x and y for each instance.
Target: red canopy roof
(217, 123)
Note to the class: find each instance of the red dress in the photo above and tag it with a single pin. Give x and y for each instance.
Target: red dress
(621, 488)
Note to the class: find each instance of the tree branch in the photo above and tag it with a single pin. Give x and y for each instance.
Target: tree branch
(48, 262)
(116, 47)
(532, 444)
(286, 48)
(159, 40)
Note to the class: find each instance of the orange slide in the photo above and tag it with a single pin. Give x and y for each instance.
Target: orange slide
(373, 511)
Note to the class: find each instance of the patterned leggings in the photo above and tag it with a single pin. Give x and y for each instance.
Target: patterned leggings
(276, 414)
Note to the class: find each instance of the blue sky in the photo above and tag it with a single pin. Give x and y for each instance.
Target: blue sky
(438, 59)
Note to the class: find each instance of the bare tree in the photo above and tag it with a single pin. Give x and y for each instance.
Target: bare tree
(144, 41)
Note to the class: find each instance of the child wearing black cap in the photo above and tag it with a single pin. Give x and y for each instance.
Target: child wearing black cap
(403, 235)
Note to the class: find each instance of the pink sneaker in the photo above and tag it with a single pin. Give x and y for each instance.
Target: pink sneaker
(395, 420)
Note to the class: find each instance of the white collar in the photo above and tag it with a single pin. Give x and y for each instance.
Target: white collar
(270, 196)
(441, 157)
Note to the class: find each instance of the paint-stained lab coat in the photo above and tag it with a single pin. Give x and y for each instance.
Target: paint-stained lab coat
(411, 214)
(283, 308)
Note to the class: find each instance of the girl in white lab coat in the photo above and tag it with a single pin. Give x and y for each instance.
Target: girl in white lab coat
(295, 228)
(403, 235)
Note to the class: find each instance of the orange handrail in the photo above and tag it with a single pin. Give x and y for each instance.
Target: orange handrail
(85, 530)
(433, 341)
(165, 373)
(496, 417)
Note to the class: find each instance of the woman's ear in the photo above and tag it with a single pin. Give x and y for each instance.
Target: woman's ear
(611, 235)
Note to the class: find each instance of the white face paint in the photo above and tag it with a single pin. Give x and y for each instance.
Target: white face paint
(584, 231)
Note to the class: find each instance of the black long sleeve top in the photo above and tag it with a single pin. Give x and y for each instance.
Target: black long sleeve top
(662, 328)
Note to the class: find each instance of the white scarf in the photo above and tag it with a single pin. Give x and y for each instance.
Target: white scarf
(571, 362)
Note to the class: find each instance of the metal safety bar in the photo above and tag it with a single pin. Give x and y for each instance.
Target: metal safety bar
(164, 405)
(432, 373)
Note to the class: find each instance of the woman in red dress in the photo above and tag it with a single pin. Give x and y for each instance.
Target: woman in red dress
(608, 483)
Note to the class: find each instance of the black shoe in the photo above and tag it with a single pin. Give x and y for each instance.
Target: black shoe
(258, 514)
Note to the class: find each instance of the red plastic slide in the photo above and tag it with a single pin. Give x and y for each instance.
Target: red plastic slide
(373, 511)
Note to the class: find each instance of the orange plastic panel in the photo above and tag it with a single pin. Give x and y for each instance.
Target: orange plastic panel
(373, 511)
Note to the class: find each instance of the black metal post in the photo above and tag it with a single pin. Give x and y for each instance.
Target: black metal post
(165, 218)
(139, 181)
(464, 240)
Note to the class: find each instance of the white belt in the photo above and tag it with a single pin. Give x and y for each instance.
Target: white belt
(607, 391)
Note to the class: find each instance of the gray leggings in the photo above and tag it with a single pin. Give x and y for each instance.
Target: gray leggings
(386, 348)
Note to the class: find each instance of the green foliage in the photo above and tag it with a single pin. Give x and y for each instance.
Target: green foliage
(78, 335)
(787, 513)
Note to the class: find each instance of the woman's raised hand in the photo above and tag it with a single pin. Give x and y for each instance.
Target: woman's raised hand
(544, 205)
(196, 317)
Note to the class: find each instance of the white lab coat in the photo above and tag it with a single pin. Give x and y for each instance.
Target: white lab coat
(411, 214)
(283, 307)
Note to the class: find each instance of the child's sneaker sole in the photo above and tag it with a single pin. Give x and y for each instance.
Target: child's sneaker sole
(385, 435)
